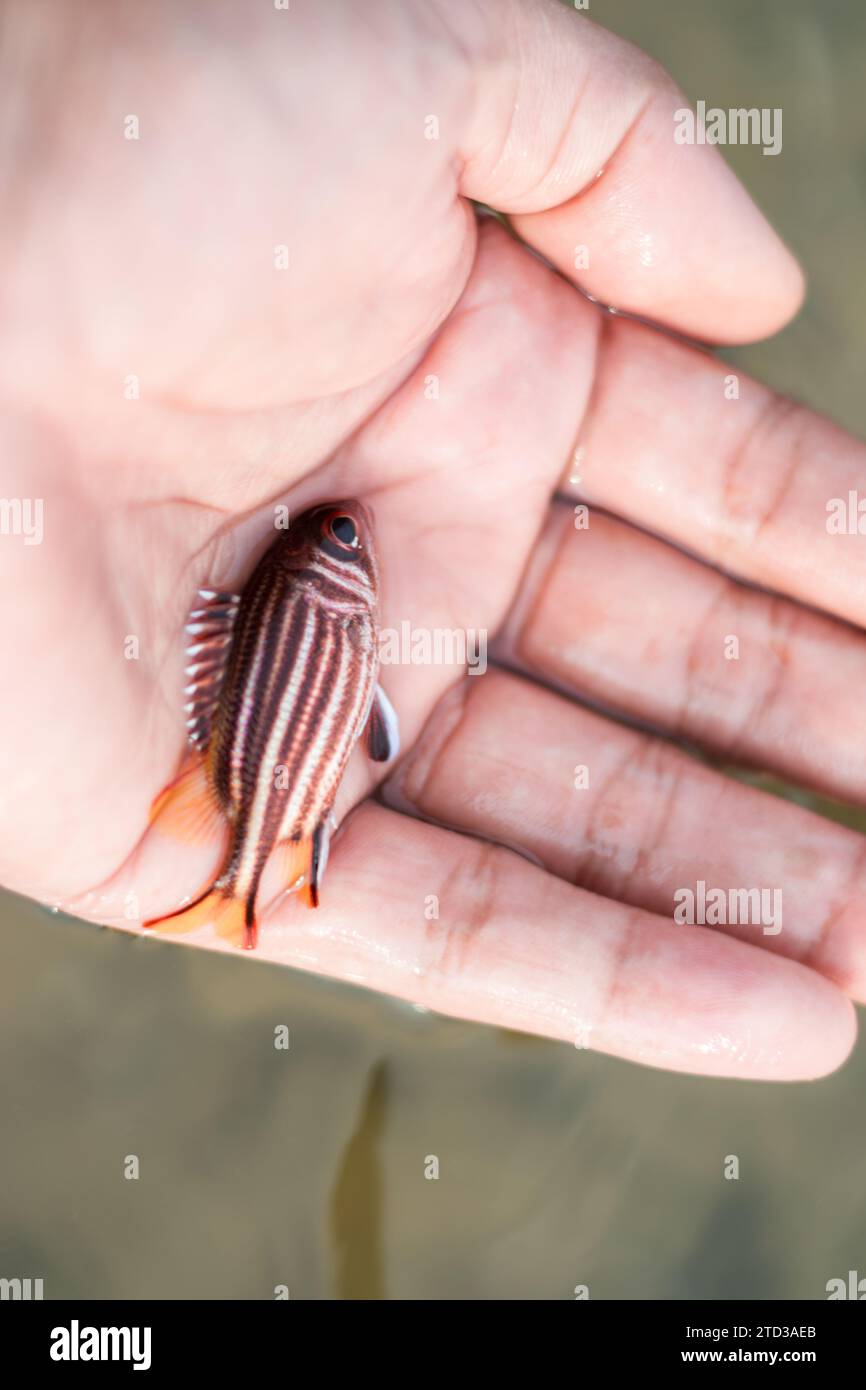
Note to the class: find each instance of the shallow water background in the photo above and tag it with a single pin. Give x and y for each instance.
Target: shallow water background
(557, 1167)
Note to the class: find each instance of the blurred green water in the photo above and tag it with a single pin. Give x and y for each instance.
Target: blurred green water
(557, 1167)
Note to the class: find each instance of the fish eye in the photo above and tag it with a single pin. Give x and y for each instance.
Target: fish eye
(343, 530)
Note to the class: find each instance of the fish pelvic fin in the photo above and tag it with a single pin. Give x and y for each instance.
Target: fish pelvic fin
(232, 918)
(304, 862)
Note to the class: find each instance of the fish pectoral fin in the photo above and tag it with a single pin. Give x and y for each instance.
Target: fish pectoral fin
(304, 860)
(225, 912)
(187, 808)
(383, 729)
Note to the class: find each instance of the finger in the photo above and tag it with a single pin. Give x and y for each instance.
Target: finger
(676, 442)
(472, 930)
(631, 623)
(574, 135)
(634, 818)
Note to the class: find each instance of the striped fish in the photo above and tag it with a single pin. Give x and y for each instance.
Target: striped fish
(282, 683)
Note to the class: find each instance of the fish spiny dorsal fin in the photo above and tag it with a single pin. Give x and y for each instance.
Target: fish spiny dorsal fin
(208, 636)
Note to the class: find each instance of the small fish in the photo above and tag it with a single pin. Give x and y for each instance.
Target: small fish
(282, 683)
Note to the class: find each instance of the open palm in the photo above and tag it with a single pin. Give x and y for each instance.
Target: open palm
(278, 293)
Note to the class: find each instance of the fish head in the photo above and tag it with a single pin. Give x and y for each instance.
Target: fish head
(336, 541)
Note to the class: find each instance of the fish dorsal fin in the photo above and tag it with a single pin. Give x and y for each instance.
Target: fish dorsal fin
(187, 809)
(208, 637)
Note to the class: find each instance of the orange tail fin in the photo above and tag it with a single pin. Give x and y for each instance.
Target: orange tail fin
(233, 919)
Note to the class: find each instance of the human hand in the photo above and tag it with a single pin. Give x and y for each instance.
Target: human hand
(153, 261)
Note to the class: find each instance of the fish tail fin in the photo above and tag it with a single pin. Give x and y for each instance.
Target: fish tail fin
(251, 925)
(231, 916)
